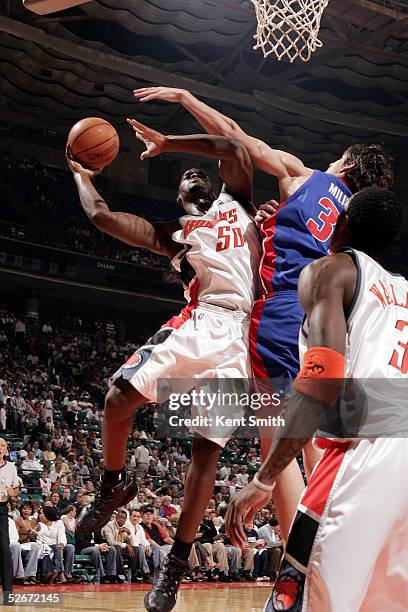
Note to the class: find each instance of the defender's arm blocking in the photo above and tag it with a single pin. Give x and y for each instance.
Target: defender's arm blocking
(235, 165)
(273, 161)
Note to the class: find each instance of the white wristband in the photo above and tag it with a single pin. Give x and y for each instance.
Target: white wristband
(262, 485)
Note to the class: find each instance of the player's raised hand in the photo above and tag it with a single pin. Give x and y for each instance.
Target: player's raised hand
(266, 210)
(242, 509)
(76, 167)
(153, 140)
(170, 94)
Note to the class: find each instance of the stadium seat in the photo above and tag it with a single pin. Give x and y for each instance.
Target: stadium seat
(84, 567)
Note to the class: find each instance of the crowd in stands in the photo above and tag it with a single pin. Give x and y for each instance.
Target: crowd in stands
(51, 195)
(53, 377)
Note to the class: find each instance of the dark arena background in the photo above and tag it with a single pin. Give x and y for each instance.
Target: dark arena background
(75, 303)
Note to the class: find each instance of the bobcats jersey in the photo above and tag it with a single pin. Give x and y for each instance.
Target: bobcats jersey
(377, 325)
(377, 345)
(220, 257)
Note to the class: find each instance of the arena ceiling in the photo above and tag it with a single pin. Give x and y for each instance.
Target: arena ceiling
(87, 60)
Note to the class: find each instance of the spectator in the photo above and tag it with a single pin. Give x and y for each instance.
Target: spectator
(65, 500)
(140, 541)
(82, 468)
(31, 550)
(260, 553)
(141, 460)
(45, 484)
(20, 332)
(52, 533)
(18, 401)
(38, 454)
(27, 536)
(77, 480)
(47, 328)
(48, 409)
(80, 502)
(30, 464)
(271, 534)
(58, 473)
(89, 493)
(33, 360)
(103, 556)
(242, 477)
(116, 534)
(49, 455)
(153, 531)
(236, 555)
(213, 543)
(166, 508)
(3, 417)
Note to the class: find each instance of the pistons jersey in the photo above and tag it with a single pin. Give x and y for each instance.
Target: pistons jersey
(220, 257)
(300, 231)
(377, 346)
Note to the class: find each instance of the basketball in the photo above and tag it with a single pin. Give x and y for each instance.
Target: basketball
(94, 142)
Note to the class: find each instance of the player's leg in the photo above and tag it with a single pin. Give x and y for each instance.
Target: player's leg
(134, 384)
(311, 456)
(118, 487)
(274, 334)
(222, 341)
(120, 404)
(198, 488)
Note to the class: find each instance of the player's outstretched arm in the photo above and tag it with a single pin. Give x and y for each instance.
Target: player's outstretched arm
(325, 288)
(235, 165)
(128, 228)
(273, 161)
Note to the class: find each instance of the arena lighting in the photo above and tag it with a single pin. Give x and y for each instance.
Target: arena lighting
(44, 7)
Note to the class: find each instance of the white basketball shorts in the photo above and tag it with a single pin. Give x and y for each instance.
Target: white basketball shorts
(348, 546)
(207, 342)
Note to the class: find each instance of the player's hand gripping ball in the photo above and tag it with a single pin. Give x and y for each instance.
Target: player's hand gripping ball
(93, 142)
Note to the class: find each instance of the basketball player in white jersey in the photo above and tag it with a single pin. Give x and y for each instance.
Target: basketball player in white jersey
(217, 249)
(347, 550)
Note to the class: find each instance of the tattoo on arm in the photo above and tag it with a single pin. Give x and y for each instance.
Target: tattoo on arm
(283, 452)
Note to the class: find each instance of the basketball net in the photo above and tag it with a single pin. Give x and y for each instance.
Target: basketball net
(288, 28)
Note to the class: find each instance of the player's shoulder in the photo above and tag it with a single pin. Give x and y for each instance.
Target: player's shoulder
(329, 270)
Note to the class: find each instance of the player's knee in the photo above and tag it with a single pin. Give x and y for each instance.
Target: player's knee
(116, 404)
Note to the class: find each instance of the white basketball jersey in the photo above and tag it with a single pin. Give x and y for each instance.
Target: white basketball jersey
(377, 345)
(220, 259)
(377, 325)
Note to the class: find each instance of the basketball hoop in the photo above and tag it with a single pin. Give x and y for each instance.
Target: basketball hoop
(45, 7)
(288, 28)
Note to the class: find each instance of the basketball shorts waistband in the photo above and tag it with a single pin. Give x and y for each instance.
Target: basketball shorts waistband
(223, 312)
(280, 292)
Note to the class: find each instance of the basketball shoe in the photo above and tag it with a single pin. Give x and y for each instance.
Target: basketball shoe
(163, 595)
(99, 512)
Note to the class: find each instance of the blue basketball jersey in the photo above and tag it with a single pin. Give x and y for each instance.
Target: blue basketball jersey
(300, 231)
